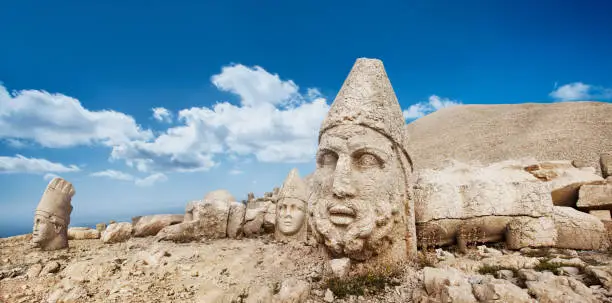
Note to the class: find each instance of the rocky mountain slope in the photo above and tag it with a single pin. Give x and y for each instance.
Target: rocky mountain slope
(492, 133)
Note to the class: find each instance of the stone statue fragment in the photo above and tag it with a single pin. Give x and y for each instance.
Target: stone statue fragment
(52, 216)
(292, 209)
(360, 203)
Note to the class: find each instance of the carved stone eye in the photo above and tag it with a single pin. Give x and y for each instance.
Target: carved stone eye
(366, 160)
(328, 159)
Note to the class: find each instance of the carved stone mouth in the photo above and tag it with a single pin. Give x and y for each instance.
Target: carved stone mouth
(341, 215)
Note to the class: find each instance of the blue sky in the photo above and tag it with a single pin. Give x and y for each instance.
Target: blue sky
(147, 105)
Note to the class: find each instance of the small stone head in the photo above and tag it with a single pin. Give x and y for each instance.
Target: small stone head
(292, 208)
(359, 189)
(52, 216)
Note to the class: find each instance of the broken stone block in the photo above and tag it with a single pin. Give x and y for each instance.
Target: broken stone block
(82, 233)
(595, 196)
(340, 267)
(253, 221)
(180, 233)
(101, 227)
(603, 215)
(531, 232)
(578, 230)
(150, 225)
(447, 285)
(235, 221)
(117, 232)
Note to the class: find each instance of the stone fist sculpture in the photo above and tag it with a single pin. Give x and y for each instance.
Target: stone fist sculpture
(360, 203)
(291, 209)
(52, 216)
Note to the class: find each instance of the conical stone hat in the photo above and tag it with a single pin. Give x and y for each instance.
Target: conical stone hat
(56, 200)
(293, 187)
(367, 99)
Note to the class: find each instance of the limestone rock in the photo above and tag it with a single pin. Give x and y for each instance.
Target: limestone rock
(253, 221)
(596, 196)
(235, 221)
(180, 233)
(531, 232)
(51, 268)
(117, 232)
(329, 296)
(547, 287)
(462, 192)
(82, 233)
(498, 290)
(578, 230)
(270, 218)
(34, 271)
(447, 285)
(340, 267)
(151, 225)
(603, 273)
(603, 215)
(292, 290)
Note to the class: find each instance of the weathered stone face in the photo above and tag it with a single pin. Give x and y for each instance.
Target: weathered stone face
(291, 215)
(44, 230)
(357, 192)
(53, 216)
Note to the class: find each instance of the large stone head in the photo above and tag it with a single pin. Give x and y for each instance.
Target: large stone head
(52, 217)
(292, 208)
(360, 205)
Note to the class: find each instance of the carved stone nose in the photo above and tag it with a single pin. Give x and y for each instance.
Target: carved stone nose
(342, 186)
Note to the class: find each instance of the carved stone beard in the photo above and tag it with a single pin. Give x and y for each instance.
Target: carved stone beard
(370, 233)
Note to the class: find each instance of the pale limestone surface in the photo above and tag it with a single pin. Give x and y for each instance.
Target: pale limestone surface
(52, 216)
(603, 215)
(595, 196)
(466, 204)
(292, 209)
(269, 224)
(117, 232)
(150, 225)
(499, 290)
(578, 130)
(253, 221)
(578, 230)
(547, 287)
(360, 204)
(448, 285)
(235, 220)
(82, 233)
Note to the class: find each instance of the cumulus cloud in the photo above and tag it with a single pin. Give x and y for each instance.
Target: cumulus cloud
(162, 114)
(434, 103)
(255, 85)
(21, 164)
(580, 91)
(273, 122)
(56, 120)
(118, 175)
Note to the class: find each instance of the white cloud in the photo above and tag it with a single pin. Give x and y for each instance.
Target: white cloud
(118, 175)
(49, 177)
(113, 174)
(255, 85)
(162, 114)
(152, 179)
(258, 127)
(434, 103)
(21, 164)
(236, 172)
(580, 91)
(56, 120)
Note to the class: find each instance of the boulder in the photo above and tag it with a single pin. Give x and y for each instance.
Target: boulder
(595, 196)
(150, 225)
(547, 287)
(212, 216)
(292, 290)
(578, 230)
(100, 227)
(82, 233)
(253, 221)
(498, 290)
(447, 285)
(531, 232)
(603, 215)
(180, 233)
(117, 232)
(235, 220)
(270, 218)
